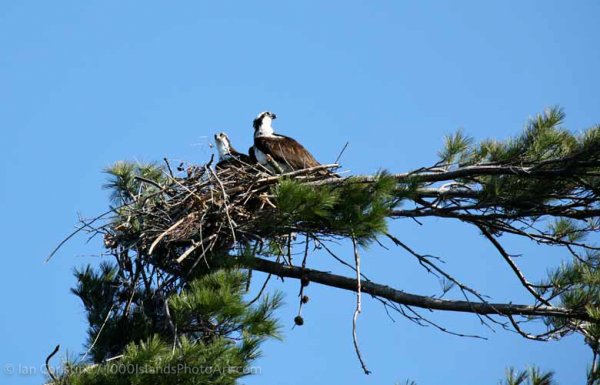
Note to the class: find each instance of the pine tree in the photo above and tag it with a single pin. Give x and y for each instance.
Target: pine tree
(146, 327)
(180, 241)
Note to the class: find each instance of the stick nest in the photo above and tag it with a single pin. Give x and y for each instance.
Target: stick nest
(175, 222)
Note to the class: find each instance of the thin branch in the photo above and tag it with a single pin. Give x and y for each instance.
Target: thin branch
(341, 153)
(85, 224)
(260, 292)
(524, 334)
(149, 181)
(99, 333)
(441, 328)
(48, 368)
(358, 307)
(512, 265)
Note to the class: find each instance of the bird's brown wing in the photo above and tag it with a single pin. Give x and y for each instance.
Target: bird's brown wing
(287, 151)
(243, 158)
(237, 159)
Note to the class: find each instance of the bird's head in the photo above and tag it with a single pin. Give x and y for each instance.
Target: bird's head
(262, 123)
(223, 144)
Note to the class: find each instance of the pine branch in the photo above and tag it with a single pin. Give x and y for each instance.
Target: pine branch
(403, 298)
(480, 170)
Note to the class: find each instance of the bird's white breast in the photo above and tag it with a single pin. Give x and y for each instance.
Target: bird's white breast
(222, 149)
(260, 156)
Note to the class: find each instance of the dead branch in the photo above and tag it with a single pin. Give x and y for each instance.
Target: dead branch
(48, 368)
(358, 306)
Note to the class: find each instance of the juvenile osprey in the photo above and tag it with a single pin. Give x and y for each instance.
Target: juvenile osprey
(289, 154)
(228, 156)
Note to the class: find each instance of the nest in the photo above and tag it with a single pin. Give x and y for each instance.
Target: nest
(178, 221)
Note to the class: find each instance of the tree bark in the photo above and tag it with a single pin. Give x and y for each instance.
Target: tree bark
(407, 299)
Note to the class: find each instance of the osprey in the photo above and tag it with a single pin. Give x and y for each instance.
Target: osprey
(228, 156)
(288, 154)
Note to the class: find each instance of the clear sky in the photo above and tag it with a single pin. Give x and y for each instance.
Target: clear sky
(86, 83)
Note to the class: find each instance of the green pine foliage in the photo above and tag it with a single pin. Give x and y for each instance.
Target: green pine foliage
(543, 143)
(567, 229)
(111, 327)
(543, 138)
(456, 147)
(218, 297)
(127, 182)
(579, 282)
(154, 361)
(577, 285)
(531, 376)
(354, 209)
(211, 334)
(124, 179)
(515, 377)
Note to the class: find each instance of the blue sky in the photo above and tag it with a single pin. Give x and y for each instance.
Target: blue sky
(84, 84)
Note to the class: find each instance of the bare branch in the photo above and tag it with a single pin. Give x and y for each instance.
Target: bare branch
(513, 265)
(48, 368)
(358, 306)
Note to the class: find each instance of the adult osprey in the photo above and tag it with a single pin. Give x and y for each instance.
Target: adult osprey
(288, 154)
(228, 156)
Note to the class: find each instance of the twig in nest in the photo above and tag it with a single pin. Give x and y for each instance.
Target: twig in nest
(48, 368)
(167, 231)
(341, 152)
(274, 164)
(189, 251)
(358, 306)
(264, 200)
(194, 246)
(169, 167)
(85, 224)
(212, 158)
(225, 199)
(303, 172)
(149, 181)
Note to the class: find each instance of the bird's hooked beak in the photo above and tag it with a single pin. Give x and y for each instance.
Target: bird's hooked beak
(273, 116)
